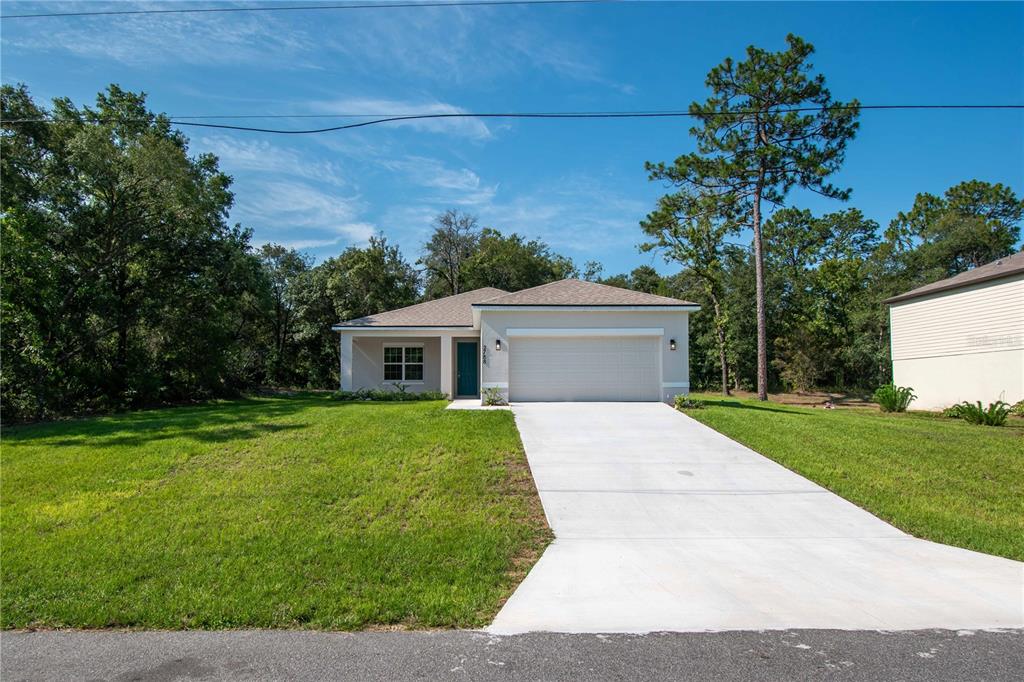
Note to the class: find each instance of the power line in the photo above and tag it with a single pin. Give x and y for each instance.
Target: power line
(558, 115)
(301, 8)
(376, 119)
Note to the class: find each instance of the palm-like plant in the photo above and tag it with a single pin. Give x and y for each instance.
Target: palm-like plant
(993, 415)
(893, 398)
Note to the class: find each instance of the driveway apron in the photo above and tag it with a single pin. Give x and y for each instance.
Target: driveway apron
(662, 523)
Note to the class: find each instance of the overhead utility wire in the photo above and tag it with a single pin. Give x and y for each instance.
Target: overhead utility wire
(553, 115)
(520, 115)
(306, 8)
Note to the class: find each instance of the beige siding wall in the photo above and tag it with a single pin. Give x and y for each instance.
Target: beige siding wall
(675, 364)
(966, 344)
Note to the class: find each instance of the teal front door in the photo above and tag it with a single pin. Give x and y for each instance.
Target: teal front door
(466, 368)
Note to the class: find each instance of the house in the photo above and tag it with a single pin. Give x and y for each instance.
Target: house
(962, 338)
(567, 340)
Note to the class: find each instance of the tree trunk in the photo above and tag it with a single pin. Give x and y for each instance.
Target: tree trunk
(453, 275)
(762, 331)
(723, 360)
(121, 354)
(882, 364)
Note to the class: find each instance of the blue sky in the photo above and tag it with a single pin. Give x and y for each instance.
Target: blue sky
(578, 185)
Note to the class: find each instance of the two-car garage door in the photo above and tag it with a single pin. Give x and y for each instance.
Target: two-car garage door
(594, 368)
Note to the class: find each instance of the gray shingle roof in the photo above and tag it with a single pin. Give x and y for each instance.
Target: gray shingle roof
(572, 292)
(451, 311)
(1004, 267)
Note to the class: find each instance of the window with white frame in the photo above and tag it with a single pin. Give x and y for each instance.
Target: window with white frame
(403, 363)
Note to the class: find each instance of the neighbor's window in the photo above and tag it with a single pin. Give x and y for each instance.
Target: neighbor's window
(403, 363)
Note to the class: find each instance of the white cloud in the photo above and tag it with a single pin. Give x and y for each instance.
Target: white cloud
(454, 45)
(433, 173)
(351, 233)
(299, 215)
(577, 216)
(359, 232)
(437, 45)
(261, 156)
(576, 213)
(305, 244)
(472, 128)
(460, 186)
(199, 39)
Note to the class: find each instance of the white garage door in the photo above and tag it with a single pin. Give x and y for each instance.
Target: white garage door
(584, 368)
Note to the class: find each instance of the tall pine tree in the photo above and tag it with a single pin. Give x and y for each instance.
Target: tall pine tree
(768, 126)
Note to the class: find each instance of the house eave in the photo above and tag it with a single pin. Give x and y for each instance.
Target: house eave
(400, 328)
(915, 294)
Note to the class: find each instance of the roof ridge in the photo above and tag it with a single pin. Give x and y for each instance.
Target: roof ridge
(435, 300)
(436, 305)
(539, 286)
(575, 281)
(612, 286)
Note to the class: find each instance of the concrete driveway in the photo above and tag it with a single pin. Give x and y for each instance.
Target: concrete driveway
(661, 523)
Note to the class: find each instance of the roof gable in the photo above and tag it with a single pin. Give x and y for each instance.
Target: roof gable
(1004, 267)
(575, 292)
(451, 311)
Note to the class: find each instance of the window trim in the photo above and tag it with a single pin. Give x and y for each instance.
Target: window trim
(403, 363)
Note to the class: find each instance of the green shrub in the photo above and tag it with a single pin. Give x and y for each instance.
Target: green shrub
(952, 412)
(893, 398)
(685, 402)
(994, 415)
(383, 395)
(1018, 408)
(493, 396)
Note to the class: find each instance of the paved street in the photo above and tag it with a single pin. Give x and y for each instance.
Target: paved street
(462, 655)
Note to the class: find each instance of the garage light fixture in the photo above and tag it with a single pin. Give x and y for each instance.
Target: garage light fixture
(497, 344)
(671, 344)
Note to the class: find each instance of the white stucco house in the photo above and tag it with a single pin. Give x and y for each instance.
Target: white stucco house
(569, 340)
(962, 338)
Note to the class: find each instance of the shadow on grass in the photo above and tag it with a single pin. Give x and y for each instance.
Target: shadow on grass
(763, 407)
(218, 422)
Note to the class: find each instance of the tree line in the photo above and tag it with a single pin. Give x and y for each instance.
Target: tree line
(123, 284)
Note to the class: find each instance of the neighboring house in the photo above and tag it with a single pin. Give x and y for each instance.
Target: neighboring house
(567, 340)
(962, 338)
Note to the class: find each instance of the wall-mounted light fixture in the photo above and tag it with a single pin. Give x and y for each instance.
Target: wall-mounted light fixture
(497, 344)
(671, 344)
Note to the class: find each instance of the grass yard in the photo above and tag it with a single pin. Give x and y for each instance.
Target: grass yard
(272, 512)
(935, 478)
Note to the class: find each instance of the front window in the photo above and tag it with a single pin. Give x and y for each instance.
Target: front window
(403, 363)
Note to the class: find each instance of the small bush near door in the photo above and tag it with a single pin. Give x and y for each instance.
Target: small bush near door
(685, 402)
(892, 398)
(494, 396)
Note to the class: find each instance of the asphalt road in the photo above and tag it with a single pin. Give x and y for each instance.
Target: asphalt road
(927, 655)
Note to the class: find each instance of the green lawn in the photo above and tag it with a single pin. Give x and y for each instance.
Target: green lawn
(936, 478)
(272, 512)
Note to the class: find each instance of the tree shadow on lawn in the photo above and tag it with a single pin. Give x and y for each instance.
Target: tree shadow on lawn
(765, 407)
(220, 422)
